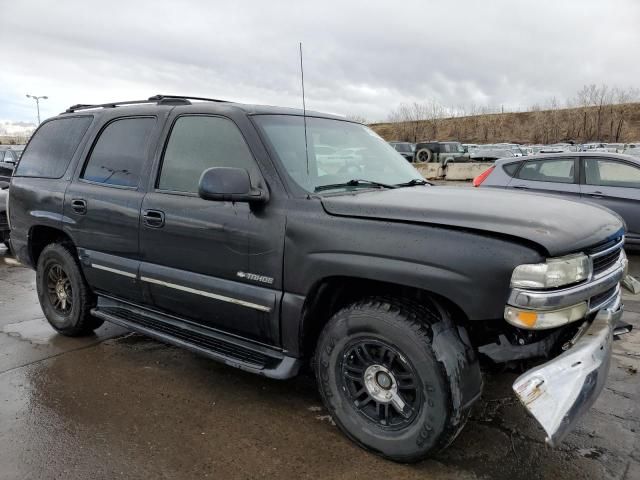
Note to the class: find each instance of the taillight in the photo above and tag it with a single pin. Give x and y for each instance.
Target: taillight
(483, 176)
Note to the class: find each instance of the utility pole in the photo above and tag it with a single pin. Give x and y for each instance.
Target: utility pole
(37, 99)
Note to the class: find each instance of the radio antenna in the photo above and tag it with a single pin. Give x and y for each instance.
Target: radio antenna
(304, 111)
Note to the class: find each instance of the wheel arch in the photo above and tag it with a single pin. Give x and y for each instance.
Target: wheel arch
(42, 235)
(330, 294)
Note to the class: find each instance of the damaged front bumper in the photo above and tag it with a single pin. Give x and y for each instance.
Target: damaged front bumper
(560, 391)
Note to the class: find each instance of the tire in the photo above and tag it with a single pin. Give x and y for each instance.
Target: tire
(416, 336)
(69, 309)
(424, 155)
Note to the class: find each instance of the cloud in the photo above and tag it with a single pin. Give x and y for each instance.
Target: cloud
(360, 58)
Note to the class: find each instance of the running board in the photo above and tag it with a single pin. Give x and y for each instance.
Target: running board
(216, 345)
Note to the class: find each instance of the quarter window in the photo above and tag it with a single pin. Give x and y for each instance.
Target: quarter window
(198, 143)
(611, 173)
(511, 168)
(119, 154)
(52, 147)
(556, 171)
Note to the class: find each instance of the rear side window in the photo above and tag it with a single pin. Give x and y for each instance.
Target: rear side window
(511, 168)
(52, 147)
(555, 171)
(120, 152)
(198, 143)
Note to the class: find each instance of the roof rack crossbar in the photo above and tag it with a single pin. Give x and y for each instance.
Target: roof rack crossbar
(187, 97)
(157, 99)
(82, 106)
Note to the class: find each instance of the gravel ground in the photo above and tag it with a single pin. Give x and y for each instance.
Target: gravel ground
(118, 405)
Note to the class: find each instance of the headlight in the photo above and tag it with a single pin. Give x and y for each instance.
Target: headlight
(554, 273)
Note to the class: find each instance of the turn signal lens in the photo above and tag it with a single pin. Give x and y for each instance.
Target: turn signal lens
(542, 320)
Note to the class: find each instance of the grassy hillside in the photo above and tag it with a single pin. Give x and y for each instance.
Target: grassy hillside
(609, 123)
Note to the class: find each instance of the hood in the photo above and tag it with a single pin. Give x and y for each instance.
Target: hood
(557, 225)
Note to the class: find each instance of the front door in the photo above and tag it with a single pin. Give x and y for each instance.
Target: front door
(197, 255)
(614, 184)
(102, 206)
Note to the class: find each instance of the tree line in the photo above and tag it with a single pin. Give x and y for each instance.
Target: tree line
(594, 113)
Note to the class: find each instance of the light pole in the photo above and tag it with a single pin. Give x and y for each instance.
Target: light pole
(37, 99)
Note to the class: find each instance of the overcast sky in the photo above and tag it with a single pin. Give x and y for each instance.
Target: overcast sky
(361, 58)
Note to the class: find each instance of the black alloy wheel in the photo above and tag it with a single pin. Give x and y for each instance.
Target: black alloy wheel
(381, 383)
(59, 289)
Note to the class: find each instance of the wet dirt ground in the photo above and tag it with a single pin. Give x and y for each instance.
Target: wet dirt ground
(118, 405)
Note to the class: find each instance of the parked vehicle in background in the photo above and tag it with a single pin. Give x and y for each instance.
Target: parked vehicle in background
(586, 147)
(489, 155)
(406, 149)
(214, 226)
(615, 147)
(469, 147)
(526, 149)
(607, 179)
(632, 149)
(9, 156)
(4, 223)
(440, 152)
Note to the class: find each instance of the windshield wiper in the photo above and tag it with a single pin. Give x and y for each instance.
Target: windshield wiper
(413, 183)
(356, 182)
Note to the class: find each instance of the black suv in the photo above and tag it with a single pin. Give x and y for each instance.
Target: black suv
(215, 226)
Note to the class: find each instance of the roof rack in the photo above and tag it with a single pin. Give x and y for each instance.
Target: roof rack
(157, 99)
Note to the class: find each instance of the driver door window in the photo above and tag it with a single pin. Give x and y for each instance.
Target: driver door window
(198, 143)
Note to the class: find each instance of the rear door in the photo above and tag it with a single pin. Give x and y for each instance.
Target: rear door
(558, 175)
(102, 205)
(615, 184)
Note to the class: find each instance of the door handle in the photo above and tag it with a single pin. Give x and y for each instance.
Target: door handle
(595, 194)
(521, 187)
(79, 205)
(153, 218)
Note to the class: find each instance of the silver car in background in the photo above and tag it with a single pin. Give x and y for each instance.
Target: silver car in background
(607, 179)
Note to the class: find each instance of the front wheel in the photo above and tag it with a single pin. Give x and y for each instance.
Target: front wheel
(64, 295)
(382, 377)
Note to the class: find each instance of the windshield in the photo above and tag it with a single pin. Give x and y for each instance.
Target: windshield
(338, 152)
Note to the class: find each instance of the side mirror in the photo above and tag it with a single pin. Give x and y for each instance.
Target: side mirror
(230, 184)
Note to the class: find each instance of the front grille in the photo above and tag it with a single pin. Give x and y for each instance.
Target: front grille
(600, 264)
(602, 258)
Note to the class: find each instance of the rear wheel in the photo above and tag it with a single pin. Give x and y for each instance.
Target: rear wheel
(382, 381)
(64, 295)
